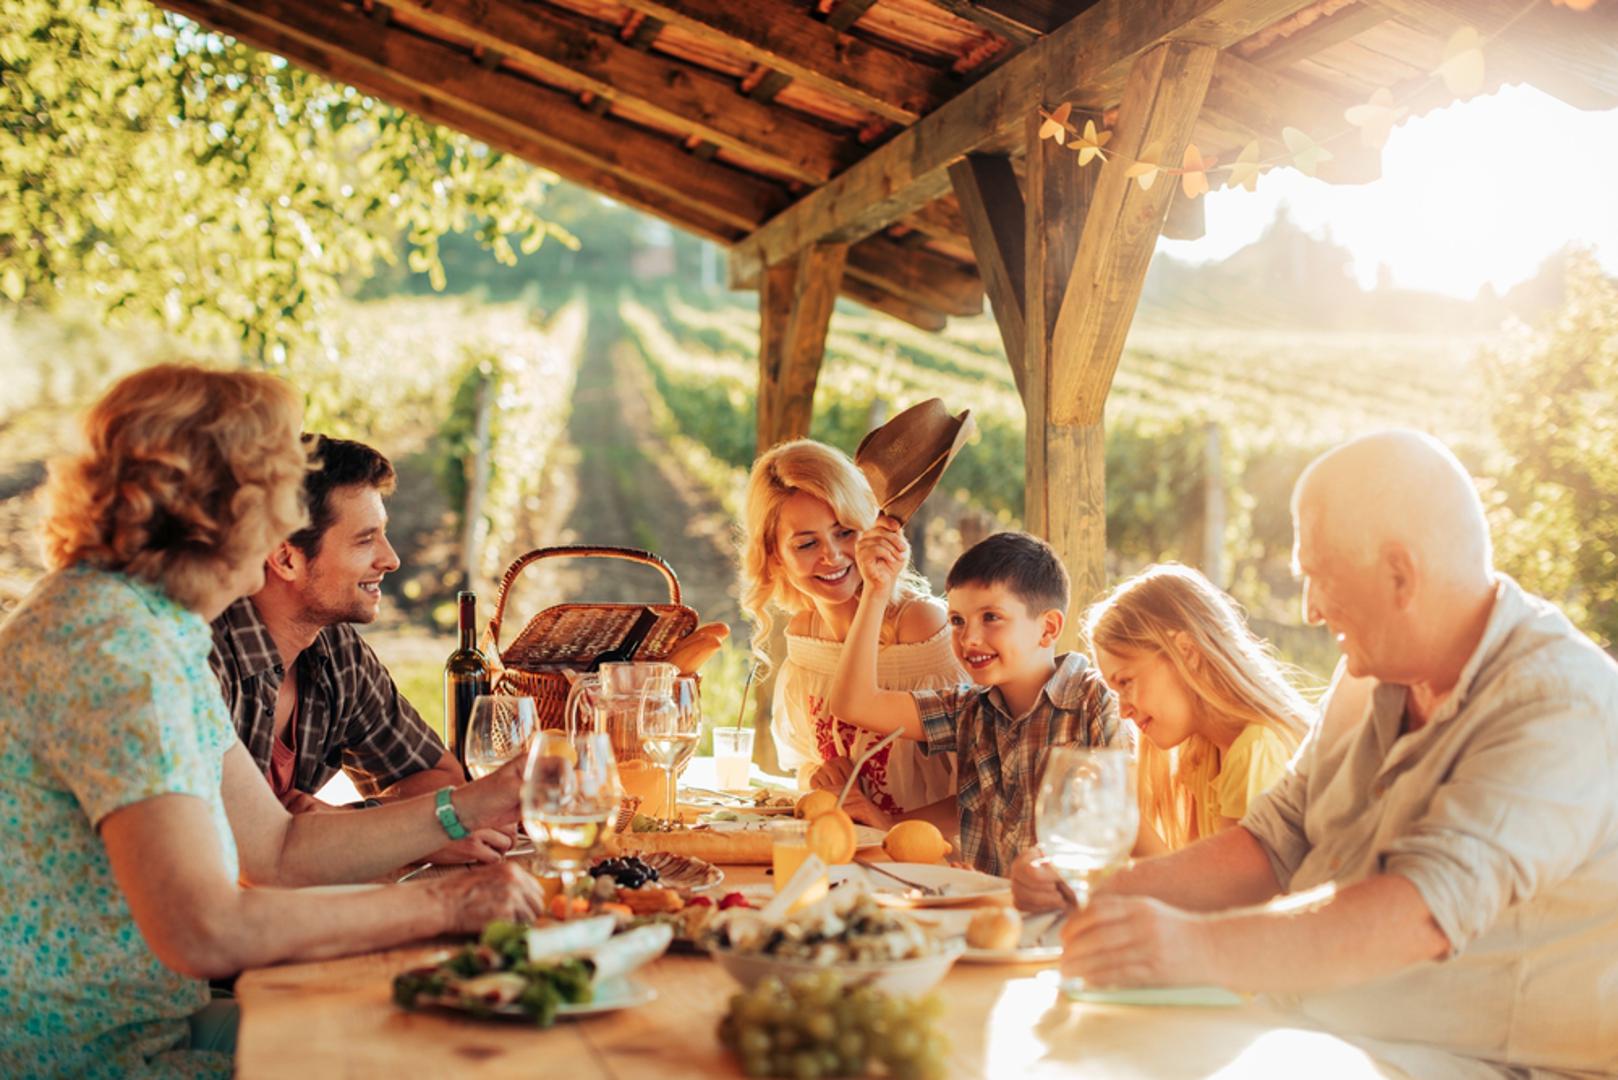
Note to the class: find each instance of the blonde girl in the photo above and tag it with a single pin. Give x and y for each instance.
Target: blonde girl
(806, 505)
(1219, 715)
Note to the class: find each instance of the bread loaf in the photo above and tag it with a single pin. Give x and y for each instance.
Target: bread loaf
(740, 846)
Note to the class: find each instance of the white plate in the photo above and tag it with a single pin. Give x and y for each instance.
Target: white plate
(1040, 943)
(960, 886)
(610, 996)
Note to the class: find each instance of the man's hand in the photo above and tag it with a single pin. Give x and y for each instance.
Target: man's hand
(479, 846)
(301, 802)
(881, 553)
(1135, 941)
(832, 776)
(497, 892)
(1034, 883)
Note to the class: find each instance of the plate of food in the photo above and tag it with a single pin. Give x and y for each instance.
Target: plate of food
(1000, 935)
(538, 973)
(656, 889)
(931, 885)
(847, 931)
(759, 801)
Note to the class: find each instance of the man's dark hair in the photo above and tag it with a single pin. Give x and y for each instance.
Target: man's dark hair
(333, 464)
(1023, 563)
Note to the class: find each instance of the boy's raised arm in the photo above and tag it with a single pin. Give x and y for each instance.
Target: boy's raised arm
(855, 696)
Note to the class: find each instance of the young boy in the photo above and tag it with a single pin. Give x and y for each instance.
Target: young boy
(1007, 599)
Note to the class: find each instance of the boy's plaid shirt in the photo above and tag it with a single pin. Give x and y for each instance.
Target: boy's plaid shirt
(1002, 757)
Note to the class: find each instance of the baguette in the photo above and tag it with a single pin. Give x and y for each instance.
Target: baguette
(735, 847)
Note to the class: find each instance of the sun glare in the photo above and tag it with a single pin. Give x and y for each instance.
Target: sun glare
(1476, 193)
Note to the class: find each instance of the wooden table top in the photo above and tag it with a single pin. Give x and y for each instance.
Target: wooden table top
(336, 1018)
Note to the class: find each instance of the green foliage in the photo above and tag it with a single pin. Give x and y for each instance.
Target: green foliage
(152, 168)
(1555, 507)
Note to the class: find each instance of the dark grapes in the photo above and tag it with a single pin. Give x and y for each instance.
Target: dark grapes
(813, 1027)
(627, 871)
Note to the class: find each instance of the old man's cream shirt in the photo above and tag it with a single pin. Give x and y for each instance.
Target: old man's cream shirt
(1503, 811)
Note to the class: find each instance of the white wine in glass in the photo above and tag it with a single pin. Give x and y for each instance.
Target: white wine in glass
(570, 796)
(501, 728)
(670, 723)
(1086, 816)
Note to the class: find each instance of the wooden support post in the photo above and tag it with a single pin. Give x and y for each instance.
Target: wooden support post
(1065, 497)
(795, 306)
(992, 207)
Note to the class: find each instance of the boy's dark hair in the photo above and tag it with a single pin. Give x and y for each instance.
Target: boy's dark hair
(333, 464)
(1021, 562)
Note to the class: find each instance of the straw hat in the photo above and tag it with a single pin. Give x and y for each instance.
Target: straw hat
(905, 457)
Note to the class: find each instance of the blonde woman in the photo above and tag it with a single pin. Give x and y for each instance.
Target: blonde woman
(806, 506)
(1219, 715)
(133, 811)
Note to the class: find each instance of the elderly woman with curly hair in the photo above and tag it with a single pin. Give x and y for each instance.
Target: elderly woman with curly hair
(133, 816)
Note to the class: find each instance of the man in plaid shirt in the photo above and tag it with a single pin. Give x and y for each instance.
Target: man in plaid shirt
(306, 692)
(1008, 597)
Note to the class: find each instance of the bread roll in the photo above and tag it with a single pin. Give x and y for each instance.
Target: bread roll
(997, 928)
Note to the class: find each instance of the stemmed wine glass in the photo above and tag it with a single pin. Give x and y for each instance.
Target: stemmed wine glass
(1086, 816)
(670, 723)
(570, 797)
(501, 727)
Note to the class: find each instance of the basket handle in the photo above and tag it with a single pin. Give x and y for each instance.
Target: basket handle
(577, 551)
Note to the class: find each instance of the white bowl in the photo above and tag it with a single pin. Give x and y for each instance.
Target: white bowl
(914, 976)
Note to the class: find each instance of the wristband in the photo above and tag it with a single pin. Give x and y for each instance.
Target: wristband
(447, 817)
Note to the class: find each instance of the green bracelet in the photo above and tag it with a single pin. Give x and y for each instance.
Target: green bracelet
(447, 816)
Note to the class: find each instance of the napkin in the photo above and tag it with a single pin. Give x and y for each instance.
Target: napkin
(1195, 996)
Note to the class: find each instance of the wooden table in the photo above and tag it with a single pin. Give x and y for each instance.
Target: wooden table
(336, 1019)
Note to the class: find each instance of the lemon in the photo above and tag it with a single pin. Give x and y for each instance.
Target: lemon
(831, 836)
(814, 804)
(915, 841)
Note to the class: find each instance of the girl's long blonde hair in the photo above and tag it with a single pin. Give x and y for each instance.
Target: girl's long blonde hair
(1234, 677)
(813, 468)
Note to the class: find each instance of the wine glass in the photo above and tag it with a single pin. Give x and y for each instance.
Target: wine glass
(500, 728)
(1086, 816)
(670, 723)
(570, 797)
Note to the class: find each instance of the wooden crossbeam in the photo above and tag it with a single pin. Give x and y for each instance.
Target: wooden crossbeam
(992, 206)
(574, 164)
(847, 13)
(878, 299)
(1323, 33)
(1085, 61)
(1161, 101)
(526, 109)
(1254, 102)
(917, 275)
(779, 35)
(566, 49)
(795, 308)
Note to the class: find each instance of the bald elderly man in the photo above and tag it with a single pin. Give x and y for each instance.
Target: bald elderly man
(1460, 797)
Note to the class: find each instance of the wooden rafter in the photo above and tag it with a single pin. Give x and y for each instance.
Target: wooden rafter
(918, 315)
(566, 49)
(775, 34)
(1086, 61)
(917, 275)
(1164, 94)
(1253, 102)
(578, 167)
(1323, 33)
(445, 74)
(992, 204)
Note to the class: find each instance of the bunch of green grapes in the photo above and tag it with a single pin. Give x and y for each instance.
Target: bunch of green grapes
(816, 1026)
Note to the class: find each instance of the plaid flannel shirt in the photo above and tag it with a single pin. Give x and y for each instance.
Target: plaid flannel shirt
(350, 714)
(1001, 757)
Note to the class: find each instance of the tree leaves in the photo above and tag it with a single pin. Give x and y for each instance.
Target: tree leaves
(158, 169)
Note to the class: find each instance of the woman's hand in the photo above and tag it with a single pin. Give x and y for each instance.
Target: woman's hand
(479, 896)
(832, 776)
(881, 553)
(1136, 941)
(1034, 884)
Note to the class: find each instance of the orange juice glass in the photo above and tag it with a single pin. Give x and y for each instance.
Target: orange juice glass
(789, 847)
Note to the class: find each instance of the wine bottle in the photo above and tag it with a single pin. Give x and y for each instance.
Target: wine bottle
(466, 675)
(625, 649)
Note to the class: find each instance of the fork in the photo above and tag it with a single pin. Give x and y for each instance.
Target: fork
(925, 890)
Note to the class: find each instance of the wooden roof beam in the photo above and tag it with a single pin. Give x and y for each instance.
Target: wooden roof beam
(1258, 102)
(578, 167)
(917, 275)
(1571, 54)
(907, 311)
(543, 116)
(779, 35)
(992, 204)
(566, 49)
(1084, 61)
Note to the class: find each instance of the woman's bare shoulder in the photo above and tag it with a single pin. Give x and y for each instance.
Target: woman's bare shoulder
(801, 623)
(919, 619)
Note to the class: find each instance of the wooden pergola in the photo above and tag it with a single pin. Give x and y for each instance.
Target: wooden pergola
(888, 150)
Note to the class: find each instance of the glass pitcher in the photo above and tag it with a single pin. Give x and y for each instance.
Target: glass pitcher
(609, 701)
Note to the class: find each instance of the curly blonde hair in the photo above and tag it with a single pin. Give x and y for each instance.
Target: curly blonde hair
(1239, 681)
(781, 472)
(188, 472)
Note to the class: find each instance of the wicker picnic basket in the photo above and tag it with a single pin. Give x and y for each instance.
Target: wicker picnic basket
(568, 637)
